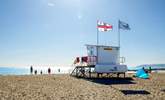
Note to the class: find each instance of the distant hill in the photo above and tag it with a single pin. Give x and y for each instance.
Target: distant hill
(147, 66)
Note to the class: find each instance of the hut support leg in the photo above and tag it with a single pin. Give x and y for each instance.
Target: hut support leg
(89, 72)
(76, 72)
(97, 75)
(118, 75)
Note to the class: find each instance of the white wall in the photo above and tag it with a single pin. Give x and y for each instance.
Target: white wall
(107, 56)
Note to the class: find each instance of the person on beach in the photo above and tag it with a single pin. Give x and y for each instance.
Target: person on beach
(41, 72)
(31, 69)
(49, 70)
(35, 72)
(59, 70)
(150, 69)
(145, 70)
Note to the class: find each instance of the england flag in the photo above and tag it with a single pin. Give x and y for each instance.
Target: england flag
(103, 27)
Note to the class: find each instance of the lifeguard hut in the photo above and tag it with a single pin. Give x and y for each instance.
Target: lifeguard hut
(100, 59)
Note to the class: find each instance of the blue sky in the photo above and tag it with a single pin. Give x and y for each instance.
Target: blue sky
(53, 32)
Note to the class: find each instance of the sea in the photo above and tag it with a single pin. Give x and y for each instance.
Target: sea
(26, 70)
(68, 69)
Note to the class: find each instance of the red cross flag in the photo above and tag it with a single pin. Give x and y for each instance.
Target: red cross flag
(101, 26)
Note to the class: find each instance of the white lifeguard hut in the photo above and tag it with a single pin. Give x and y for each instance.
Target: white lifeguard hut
(102, 59)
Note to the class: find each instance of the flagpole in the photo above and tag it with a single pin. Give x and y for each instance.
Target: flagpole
(97, 34)
(119, 38)
(97, 42)
(119, 33)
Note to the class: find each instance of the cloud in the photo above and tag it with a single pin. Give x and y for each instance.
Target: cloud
(50, 4)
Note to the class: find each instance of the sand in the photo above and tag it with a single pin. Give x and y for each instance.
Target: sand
(65, 87)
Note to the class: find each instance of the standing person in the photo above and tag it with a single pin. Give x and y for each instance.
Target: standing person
(31, 69)
(41, 72)
(150, 69)
(49, 70)
(59, 70)
(35, 72)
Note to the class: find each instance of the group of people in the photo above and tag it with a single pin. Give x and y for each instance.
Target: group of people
(35, 71)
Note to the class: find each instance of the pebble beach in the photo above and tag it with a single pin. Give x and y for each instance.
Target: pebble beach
(66, 87)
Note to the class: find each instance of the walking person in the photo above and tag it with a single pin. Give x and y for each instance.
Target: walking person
(31, 69)
(35, 72)
(41, 72)
(49, 71)
(59, 70)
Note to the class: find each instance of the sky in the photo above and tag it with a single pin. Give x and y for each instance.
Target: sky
(54, 32)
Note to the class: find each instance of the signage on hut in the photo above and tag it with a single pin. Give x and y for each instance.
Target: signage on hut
(108, 49)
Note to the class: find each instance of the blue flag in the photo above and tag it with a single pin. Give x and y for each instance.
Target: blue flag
(123, 25)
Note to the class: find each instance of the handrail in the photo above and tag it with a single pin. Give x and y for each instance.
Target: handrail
(87, 60)
(122, 60)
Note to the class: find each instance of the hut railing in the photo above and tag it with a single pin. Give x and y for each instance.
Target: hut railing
(85, 61)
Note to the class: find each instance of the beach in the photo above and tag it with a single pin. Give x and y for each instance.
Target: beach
(66, 87)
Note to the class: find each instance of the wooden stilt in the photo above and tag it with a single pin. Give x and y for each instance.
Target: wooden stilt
(118, 75)
(97, 75)
(89, 72)
(76, 71)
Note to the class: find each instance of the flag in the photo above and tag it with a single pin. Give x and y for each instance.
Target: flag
(101, 26)
(123, 25)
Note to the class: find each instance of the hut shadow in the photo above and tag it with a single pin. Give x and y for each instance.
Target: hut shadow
(111, 81)
(135, 92)
(163, 90)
